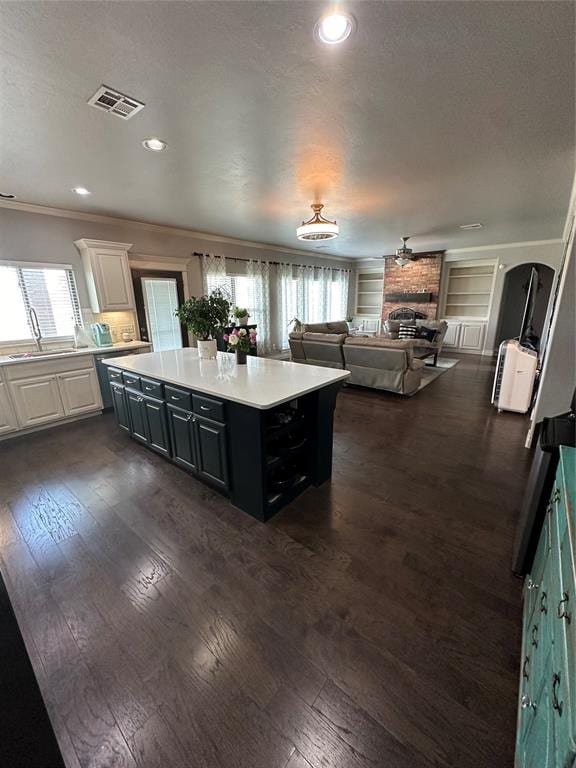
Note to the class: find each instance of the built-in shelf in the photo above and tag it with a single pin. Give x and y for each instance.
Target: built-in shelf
(369, 291)
(468, 290)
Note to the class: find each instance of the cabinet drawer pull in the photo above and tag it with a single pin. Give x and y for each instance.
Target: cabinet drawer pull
(148, 389)
(139, 399)
(562, 612)
(535, 635)
(174, 397)
(557, 705)
(525, 668)
(532, 585)
(543, 603)
(527, 703)
(191, 418)
(205, 408)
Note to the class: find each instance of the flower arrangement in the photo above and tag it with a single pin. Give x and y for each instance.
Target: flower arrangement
(240, 339)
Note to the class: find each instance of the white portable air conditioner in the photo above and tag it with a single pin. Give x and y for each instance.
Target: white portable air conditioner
(515, 374)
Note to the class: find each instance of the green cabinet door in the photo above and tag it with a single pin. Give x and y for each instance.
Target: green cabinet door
(538, 747)
(212, 451)
(157, 426)
(181, 427)
(120, 406)
(138, 426)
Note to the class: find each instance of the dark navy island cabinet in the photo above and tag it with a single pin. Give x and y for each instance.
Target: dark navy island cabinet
(261, 458)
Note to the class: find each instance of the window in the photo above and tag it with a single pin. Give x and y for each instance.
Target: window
(50, 290)
(311, 294)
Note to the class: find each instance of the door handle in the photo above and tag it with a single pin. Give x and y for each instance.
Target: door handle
(525, 668)
(557, 705)
(562, 612)
(543, 603)
(535, 635)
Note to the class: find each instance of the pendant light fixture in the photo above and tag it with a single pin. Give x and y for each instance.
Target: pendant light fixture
(317, 227)
(403, 254)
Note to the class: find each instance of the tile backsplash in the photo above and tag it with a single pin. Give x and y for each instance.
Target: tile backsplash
(119, 322)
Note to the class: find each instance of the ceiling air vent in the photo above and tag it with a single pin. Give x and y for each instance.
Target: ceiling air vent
(115, 102)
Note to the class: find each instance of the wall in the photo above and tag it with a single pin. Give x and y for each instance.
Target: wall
(420, 275)
(35, 236)
(547, 252)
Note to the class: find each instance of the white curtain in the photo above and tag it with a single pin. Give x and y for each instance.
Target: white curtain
(214, 274)
(258, 301)
(311, 294)
(248, 286)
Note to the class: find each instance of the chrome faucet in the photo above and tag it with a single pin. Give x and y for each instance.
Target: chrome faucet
(37, 333)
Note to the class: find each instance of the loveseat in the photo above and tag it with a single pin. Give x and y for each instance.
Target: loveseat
(373, 361)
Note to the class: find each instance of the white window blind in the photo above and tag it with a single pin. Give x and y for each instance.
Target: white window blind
(161, 302)
(51, 291)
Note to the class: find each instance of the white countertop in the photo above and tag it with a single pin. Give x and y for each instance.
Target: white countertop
(118, 347)
(261, 383)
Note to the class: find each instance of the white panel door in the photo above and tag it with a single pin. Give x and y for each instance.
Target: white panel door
(80, 392)
(113, 280)
(472, 336)
(8, 421)
(452, 337)
(37, 400)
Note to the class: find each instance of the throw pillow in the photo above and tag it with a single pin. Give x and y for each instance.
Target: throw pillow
(407, 331)
(427, 333)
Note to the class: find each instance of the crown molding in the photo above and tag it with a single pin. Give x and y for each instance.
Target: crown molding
(527, 243)
(99, 218)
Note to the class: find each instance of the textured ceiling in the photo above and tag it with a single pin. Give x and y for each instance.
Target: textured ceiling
(432, 115)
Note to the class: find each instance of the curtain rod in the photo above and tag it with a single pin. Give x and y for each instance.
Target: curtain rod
(277, 263)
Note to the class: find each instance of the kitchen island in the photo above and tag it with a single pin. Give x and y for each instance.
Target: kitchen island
(260, 433)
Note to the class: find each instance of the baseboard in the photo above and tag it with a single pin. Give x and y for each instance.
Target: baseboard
(50, 425)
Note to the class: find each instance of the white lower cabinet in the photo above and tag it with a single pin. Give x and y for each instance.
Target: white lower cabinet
(80, 391)
(37, 400)
(8, 421)
(472, 336)
(46, 391)
(467, 336)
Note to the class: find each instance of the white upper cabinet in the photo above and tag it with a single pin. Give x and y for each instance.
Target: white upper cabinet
(107, 275)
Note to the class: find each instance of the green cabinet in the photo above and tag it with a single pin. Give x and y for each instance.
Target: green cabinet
(212, 453)
(148, 422)
(546, 735)
(120, 406)
(181, 427)
(199, 445)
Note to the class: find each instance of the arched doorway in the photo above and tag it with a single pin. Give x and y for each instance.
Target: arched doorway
(515, 296)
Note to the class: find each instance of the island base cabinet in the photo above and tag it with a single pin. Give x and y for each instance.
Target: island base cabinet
(212, 450)
(120, 406)
(181, 429)
(148, 422)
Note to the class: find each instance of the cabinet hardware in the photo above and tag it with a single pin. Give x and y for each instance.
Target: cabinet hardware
(562, 612)
(543, 603)
(527, 703)
(524, 668)
(139, 399)
(174, 397)
(148, 389)
(557, 705)
(555, 496)
(531, 585)
(205, 408)
(535, 635)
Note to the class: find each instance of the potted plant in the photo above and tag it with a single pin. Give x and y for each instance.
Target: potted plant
(240, 341)
(241, 314)
(350, 321)
(203, 316)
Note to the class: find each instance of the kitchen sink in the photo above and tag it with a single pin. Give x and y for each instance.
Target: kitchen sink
(43, 353)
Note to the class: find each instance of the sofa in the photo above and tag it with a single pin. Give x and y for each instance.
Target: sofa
(422, 347)
(373, 361)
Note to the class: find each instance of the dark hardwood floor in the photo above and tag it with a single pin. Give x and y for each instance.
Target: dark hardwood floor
(373, 623)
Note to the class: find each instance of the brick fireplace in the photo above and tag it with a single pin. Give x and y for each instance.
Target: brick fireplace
(421, 276)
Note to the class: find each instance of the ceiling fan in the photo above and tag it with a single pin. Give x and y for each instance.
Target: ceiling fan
(404, 255)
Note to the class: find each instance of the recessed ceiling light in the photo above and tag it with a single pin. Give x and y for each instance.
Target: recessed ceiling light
(156, 145)
(477, 225)
(81, 190)
(7, 196)
(334, 28)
